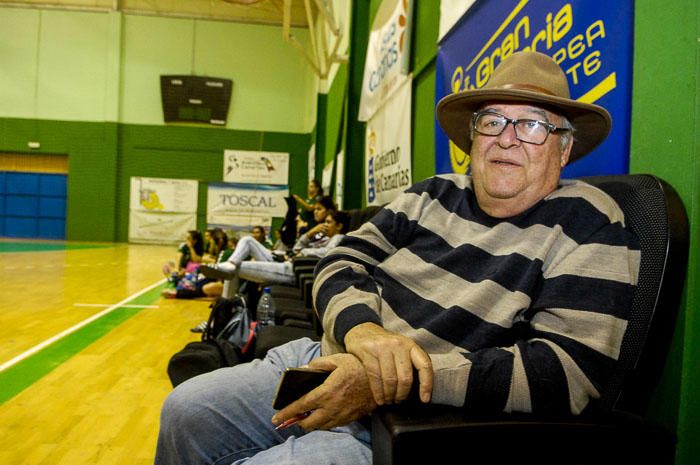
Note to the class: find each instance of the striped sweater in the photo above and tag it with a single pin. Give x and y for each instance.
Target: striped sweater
(520, 314)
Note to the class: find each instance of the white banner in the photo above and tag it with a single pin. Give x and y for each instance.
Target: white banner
(160, 228)
(450, 12)
(248, 167)
(225, 201)
(339, 178)
(327, 177)
(388, 148)
(311, 166)
(163, 195)
(388, 53)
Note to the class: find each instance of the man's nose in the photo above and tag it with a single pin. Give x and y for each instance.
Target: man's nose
(508, 137)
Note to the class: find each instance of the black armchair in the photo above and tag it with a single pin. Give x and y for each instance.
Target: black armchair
(617, 433)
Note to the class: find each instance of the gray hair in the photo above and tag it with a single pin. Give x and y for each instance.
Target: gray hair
(565, 137)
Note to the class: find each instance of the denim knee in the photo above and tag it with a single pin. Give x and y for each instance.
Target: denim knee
(176, 412)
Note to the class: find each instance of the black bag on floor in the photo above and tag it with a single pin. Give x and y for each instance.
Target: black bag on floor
(228, 340)
(201, 357)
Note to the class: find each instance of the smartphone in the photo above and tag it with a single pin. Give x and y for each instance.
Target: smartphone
(296, 382)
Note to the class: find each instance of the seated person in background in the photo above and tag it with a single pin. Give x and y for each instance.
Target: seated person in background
(279, 245)
(506, 290)
(209, 246)
(191, 252)
(273, 272)
(248, 247)
(314, 192)
(294, 225)
(259, 234)
(194, 285)
(213, 246)
(321, 209)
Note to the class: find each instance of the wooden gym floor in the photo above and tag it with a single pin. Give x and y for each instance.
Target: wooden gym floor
(85, 342)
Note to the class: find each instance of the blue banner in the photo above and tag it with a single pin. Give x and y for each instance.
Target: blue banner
(590, 39)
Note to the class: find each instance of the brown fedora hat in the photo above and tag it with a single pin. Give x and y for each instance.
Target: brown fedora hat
(530, 77)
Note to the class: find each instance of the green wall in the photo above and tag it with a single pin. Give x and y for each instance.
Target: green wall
(195, 153)
(425, 30)
(92, 159)
(84, 66)
(273, 87)
(103, 157)
(86, 84)
(665, 141)
(330, 118)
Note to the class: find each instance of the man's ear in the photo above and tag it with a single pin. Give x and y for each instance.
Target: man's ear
(566, 153)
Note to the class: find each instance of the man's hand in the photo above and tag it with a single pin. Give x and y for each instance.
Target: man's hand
(389, 360)
(344, 397)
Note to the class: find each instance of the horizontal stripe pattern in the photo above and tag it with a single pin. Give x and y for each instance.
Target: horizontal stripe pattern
(536, 304)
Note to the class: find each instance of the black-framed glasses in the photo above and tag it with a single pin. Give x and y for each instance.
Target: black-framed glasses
(531, 131)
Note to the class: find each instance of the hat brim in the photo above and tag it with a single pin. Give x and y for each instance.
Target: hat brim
(592, 123)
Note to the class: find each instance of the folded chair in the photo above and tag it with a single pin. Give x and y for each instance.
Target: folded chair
(617, 432)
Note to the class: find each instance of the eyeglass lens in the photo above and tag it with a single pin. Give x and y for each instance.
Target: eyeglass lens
(526, 130)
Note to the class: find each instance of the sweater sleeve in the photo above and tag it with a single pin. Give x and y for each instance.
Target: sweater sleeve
(345, 291)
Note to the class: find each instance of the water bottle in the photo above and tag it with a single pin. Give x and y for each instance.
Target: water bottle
(265, 313)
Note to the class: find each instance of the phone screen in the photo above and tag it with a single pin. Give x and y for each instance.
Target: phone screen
(295, 383)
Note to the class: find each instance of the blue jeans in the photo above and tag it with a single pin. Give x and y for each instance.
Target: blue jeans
(223, 417)
(267, 272)
(249, 247)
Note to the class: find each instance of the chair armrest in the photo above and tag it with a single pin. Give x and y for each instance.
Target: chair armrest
(304, 261)
(446, 435)
(273, 336)
(301, 273)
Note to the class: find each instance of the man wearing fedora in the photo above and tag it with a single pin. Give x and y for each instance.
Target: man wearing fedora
(506, 290)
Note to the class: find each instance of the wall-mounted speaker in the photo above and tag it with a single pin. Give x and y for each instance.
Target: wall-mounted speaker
(195, 99)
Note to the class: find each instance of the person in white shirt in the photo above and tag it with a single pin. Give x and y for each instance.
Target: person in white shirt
(264, 269)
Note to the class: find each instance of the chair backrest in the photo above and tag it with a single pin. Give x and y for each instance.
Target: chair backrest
(359, 216)
(654, 211)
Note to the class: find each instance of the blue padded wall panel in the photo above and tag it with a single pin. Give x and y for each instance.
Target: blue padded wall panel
(52, 207)
(22, 183)
(52, 228)
(33, 205)
(20, 227)
(20, 205)
(53, 184)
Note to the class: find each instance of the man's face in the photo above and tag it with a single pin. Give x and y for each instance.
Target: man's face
(510, 175)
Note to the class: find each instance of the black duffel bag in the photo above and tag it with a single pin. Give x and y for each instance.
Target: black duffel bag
(227, 341)
(201, 357)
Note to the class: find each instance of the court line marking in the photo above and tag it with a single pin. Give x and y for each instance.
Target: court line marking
(108, 305)
(28, 353)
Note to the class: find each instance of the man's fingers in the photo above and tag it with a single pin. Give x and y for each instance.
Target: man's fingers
(297, 407)
(421, 361)
(404, 373)
(374, 376)
(318, 419)
(387, 366)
